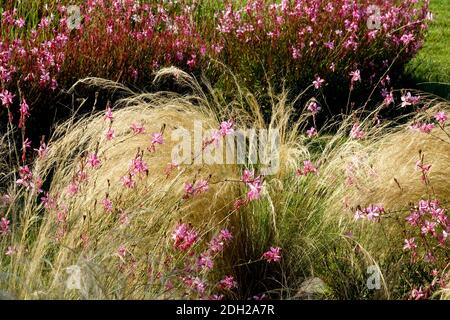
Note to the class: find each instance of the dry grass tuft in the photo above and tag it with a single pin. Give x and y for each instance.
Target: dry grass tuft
(308, 215)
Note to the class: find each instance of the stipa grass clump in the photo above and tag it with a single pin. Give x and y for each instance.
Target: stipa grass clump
(389, 175)
(105, 200)
(115, 195)
(117, 204)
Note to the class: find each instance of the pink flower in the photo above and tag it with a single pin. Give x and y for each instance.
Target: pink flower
(94, 161)
(313, 107)
(413, 218)
(429, 227)
(388, 98)
(333, 67)
(410, 244)
(425, 168)
(311, 132)
(356, 76)
(441, 117)
(318, 82)
(20, 23)
(308, 168)
(255, 188)
(4, 226)
(48, 201)
(26, 144)
(259, 297)
(134, 74)
(199, 187)
(373, 212)
(226, 128)
(184, 237)
(5, 200)
(247, 176)
(205, 262)
(109, 28)
(418, 294)
(226, 235)
(359, 215)
(72, 189)
(273, 255)
(110, 134)
(409, 99)
(10, 251)
(128, 182)
(217, 243)
(137, 128)
(81, 175)
(329, 45)
(429, 257)
(423, 127)
(107, 205)
(122, 251)
(295, 53)
(239, 203)
(7, 98)
(157, 138)
(188, 189)
(407, 38)
(356, 132)
(42, 151)
(24, 113)
(191, 62)
(199, 285)
(26, 177)
(108, 114)
(138, 166)
(228, 283)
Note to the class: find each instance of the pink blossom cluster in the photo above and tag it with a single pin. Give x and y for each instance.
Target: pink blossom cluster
(215, 246)
(226, 128)
(196, 188)
(138, 168)
(308, 168)
(409, 100)
(440, 281)
(184, 237)
(429, 229)
(371, 213)
(273, 254)
(192, 260)
(4, 226)
(156, 138)
(254, 185)
(228, 283)
(357, 132)
(292, 34)
(49, 54)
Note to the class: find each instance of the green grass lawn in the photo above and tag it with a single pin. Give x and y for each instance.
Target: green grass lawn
(430, 69)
